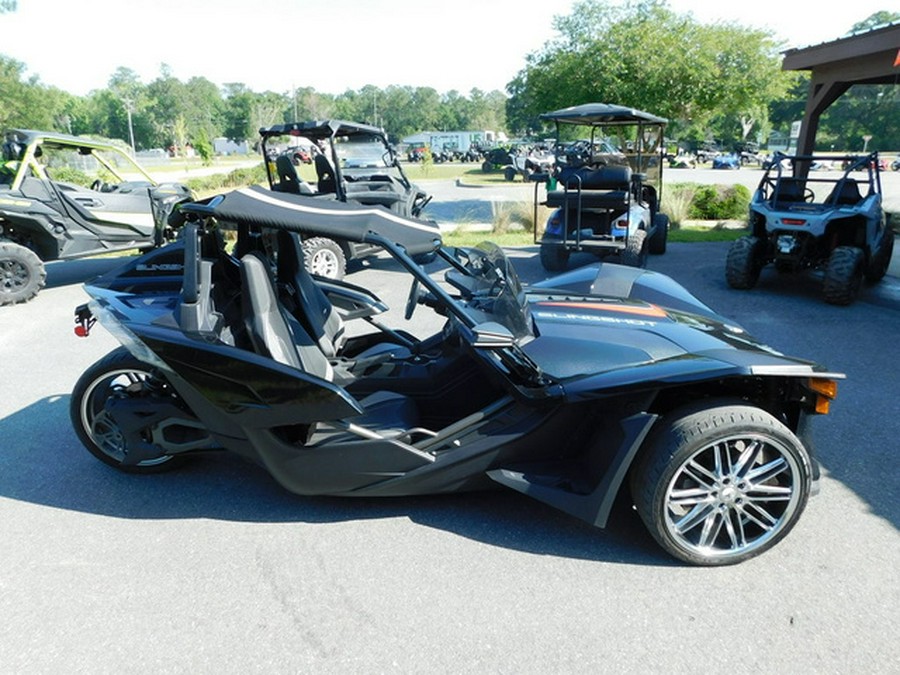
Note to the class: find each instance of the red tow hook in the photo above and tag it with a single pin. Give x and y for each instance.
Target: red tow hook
(85, 321)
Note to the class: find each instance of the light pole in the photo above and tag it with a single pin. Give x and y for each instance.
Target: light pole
(129, 108)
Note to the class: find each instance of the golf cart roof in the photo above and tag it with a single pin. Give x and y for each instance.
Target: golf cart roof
(320, 129)
(316, 216)
(595, 114)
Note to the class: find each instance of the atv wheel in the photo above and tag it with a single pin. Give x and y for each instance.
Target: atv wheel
(554, 258)
(881, 260)
(22, 274)
(635, 252)
(509, 173)
(718, 485)
(116, 375)
(843, 275)
(487, 167)
(744, 262)
(657, 243)
(324, 258)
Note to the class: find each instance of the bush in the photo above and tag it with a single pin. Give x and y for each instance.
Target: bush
(719, 202)
(676, 202)
(238, 178)
(67, 174)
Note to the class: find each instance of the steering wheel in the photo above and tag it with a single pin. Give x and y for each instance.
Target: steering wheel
(412, 300)
(808, 195)
(97, 185)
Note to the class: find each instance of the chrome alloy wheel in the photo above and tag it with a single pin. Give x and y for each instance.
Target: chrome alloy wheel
(733, 496)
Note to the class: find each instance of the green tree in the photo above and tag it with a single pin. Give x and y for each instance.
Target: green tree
(644, 55)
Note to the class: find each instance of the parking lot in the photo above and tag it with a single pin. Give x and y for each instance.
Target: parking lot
(214, 568)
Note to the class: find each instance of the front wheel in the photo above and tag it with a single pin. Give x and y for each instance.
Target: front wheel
(118, 375)
(721, 484)
(22, 273)
(657, 243)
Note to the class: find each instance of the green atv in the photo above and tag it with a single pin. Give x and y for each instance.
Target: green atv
(64, 197)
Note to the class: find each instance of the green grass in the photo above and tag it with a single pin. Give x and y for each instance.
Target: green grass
(464, 237)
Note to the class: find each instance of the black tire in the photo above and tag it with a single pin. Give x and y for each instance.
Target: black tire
(22, 274)
(718, 484)
(744, 262)
(881, 260)
(325, 258)
(116, 374)
(843, 275)
(509, 173)
(487, 167)
(635, 252)
(554, 258)
(657, 243)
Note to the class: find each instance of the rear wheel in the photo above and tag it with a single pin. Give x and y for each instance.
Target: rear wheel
(635, 252)
(509, 173)
(719, 485)
(843, 275)
(22, 273)
(324, 258)
(744, 262)
(117, 375)
(880, 261)
(554, 258)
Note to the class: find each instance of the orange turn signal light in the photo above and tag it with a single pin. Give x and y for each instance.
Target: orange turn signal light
(827, 392)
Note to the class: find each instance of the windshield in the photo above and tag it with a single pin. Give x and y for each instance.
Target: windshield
(491, 288)
(355, 153)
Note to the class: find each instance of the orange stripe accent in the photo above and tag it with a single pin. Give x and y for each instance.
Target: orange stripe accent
(649, 310)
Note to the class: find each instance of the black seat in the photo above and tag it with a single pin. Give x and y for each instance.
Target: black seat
(288, 180)
(309, 306)
(845, 193)
(790, 190)
(325, 173)
(306, 301)
(275, 334)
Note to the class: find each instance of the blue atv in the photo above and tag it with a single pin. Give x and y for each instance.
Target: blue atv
(803, 220)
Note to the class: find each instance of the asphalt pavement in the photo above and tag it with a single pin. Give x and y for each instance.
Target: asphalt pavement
(216, 569)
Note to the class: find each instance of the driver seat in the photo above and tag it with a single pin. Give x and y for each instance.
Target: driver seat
(288, 180)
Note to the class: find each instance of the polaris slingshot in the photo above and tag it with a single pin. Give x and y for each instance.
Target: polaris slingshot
(604, 379)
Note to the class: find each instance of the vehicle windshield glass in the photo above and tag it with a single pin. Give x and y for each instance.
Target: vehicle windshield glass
(497, 291)
(361, 153)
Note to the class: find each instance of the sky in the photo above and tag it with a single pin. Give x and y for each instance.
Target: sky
(336, 45)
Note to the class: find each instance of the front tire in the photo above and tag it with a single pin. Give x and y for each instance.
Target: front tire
(721, 484)
(118, 374)
(22, 274)
(660, 238)
(843, 275)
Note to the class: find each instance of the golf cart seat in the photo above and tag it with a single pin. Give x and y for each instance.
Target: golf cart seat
(277, 335)
(605, 188)
(845, 193)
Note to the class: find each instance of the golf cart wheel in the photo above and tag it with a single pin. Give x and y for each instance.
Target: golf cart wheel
(554, 258)
(721, 483)
(657, 243)
(324, 258)
(487, 167)
(116, 375)
(881, 260)
(843, 275)
(635, 252)
(22, 274)
(744, 262)
(509, 173)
